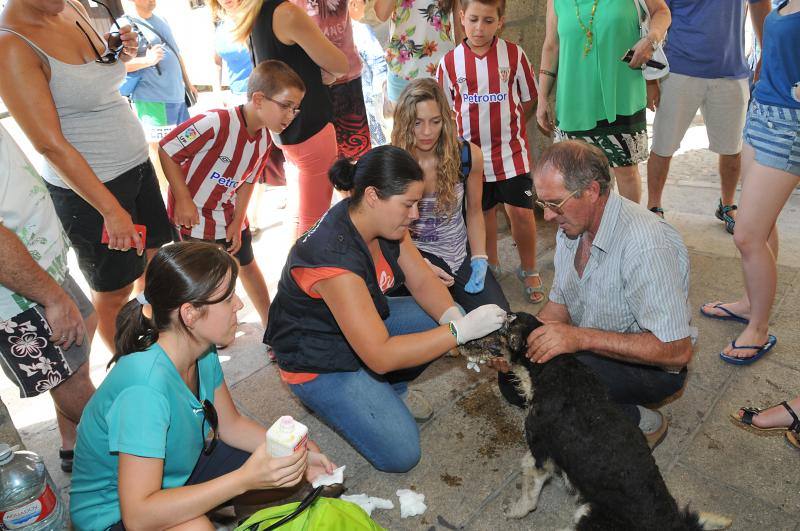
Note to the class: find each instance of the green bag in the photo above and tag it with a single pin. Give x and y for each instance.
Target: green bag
(319, 514)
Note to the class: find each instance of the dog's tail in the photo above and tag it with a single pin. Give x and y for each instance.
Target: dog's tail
(713, 521)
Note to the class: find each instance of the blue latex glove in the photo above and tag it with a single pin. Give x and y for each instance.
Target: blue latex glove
(479, 266)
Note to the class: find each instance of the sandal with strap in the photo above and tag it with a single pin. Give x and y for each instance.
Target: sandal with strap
(746, 420)
(658, 211)
(723, 215)
(530, 290)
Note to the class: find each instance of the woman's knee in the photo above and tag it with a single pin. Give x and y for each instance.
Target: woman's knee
(397, 456)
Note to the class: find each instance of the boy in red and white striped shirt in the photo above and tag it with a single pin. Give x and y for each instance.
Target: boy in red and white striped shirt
(489, 83)
(213, 160)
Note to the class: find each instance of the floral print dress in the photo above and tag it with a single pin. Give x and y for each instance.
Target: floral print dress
(421, 34)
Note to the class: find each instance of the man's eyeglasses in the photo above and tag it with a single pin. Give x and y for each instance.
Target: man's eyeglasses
(115, 45)
(284, 106)
(210, 416)
(555, 207)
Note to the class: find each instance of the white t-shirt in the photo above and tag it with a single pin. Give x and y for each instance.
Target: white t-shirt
(27, 210)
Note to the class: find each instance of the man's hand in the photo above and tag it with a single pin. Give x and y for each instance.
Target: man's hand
(193, 90)
(130, 43)
(66, 324)
(122, 235)
(186, 213)
(553, 339)
(154, 54)
(653, 94)
(233, 234)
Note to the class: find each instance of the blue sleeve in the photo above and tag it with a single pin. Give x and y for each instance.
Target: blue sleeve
(138, 421)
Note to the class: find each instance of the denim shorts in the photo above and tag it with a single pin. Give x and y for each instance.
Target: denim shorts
(773, 133)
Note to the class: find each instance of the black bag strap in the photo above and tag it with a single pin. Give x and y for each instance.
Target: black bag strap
(466, 159)
(165, 41)
(305, 504)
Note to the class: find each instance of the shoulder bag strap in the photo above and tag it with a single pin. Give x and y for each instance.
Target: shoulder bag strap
(165, 41)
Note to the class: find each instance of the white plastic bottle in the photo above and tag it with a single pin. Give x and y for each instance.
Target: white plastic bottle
(286, 436)
(28, 499)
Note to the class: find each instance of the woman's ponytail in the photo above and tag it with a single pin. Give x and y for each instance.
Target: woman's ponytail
(342, 175)
(135, 332)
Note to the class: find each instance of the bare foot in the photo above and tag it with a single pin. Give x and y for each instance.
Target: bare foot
(776, 416)
(740, 308)
(748, 338)
(534, 282)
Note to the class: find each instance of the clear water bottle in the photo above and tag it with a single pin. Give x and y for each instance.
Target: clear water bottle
(28, 499)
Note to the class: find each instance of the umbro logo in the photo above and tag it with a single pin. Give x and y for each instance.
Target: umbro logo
(461, 80)
(224, 159)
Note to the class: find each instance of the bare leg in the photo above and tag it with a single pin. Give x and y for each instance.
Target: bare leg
(256, 288)
(730, 168)
(490, 221)
(107, 305)
(71, 396)
(533, 480)
(629, 182)
(162, 179)
(523, 230)
(657, 172)
(764, 194)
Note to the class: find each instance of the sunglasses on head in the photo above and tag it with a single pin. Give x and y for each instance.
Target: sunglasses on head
(115, 44)
(210, 416)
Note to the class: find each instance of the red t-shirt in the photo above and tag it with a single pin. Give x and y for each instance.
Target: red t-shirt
(307, 277)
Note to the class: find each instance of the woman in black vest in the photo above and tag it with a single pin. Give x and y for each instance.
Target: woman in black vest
(345, 349)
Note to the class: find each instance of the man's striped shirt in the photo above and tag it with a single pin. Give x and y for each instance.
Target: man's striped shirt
(217, 155)
(487, 93)
(636, 279)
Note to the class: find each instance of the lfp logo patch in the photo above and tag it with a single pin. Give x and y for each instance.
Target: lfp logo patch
(188, 135)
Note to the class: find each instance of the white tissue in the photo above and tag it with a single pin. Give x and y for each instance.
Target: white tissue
(368, 503)
(411, 503)
(329, 479)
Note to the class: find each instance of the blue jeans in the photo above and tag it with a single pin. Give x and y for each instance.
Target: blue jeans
(367, 409)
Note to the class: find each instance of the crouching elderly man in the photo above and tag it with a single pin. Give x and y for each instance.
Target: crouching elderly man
(46, 322)
(621, 287)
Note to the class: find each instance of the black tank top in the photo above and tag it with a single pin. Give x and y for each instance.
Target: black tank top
(316, 109)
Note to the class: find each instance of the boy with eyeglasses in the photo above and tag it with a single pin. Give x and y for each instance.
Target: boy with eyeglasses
(213, 160)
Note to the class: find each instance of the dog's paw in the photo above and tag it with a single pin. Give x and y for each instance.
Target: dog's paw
(520, 508)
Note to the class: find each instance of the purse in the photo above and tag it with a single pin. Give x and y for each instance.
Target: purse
(649, 72)
(314, 513)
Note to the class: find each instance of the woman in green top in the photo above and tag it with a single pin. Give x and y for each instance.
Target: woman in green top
(600, 98)
(161, 442)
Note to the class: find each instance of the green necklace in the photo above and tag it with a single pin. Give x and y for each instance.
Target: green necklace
(587, 30)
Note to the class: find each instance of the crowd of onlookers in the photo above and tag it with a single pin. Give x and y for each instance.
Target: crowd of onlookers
(415, 112)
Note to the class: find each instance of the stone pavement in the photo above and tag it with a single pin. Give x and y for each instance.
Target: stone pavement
(472, 445)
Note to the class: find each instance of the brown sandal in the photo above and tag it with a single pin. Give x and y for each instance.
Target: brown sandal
(746, 420)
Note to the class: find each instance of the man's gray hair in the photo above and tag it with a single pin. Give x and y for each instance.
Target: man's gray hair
(579, 164)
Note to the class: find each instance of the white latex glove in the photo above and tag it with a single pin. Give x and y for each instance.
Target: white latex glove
(451, 314)
(481, 321)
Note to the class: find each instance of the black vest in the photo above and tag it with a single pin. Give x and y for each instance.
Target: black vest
(302, 331)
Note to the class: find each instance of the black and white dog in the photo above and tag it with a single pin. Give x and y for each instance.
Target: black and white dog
(575, 431)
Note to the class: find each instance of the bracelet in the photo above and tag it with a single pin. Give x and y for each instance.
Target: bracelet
(453, 330)
(548, 73)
